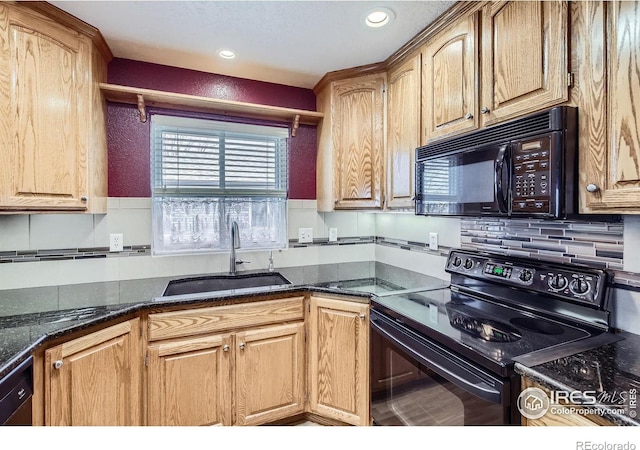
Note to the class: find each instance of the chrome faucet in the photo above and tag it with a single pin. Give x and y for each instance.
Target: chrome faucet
(235, 243)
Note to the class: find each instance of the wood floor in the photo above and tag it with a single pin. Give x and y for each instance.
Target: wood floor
(435, 403)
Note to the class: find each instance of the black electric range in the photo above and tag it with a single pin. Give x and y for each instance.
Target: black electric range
(498, 308)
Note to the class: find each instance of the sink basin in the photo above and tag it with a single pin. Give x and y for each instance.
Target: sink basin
(223, 283)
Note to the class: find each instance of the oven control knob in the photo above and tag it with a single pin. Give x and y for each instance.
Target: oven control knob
(456, 261)
(468, 263)
(557, 282)
(526, 275)
(579, 286)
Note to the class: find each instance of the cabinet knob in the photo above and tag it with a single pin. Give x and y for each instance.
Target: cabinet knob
(57, 364)
(363, 316)
(592, 187)
(468, 116)
(84, 198)
(225, 348)
(484, 110)
(241, 346)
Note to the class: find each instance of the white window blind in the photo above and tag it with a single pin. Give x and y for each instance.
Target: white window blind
(206, 174)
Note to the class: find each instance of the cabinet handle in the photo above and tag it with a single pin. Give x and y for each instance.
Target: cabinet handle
(241, 346)
(57, 364)
(484, 110)
(84, 198)
(225, 348)
(468, 116)
(363, 316)
(592, 187)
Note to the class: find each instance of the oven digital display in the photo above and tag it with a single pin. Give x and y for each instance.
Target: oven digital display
(498, 270)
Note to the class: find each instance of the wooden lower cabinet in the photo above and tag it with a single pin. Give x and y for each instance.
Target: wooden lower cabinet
(269, 374)
(339, 360)
(231, 371)
(189, 381)
(95, 379)
(259, 373)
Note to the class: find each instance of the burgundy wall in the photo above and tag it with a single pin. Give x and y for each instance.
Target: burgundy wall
(128, 138)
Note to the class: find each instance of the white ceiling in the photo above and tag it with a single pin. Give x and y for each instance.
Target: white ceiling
(288, 42)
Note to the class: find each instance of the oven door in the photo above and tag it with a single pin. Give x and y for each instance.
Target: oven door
(416, 382)
(474, 182)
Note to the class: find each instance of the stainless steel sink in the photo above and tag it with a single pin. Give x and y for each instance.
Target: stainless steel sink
(215, 283)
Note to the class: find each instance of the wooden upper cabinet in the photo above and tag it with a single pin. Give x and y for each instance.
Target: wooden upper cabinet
(450, 79)
(96, 379)
(339, 360)
(524, 58)
(610, 95)
(358, 141)
(403, 132)
(46, 125)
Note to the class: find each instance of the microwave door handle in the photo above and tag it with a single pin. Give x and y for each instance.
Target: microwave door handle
(499, 188)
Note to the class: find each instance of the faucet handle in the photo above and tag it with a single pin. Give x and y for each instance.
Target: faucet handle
(241, 261)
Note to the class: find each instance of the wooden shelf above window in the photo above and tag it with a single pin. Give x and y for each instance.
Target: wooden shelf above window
(148, 97)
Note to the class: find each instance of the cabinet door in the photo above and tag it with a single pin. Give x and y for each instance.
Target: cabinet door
(339, 360)
(358, 133)
(403, 132)
(611, 165)
(269, 374)
(44, 98)
(190, 382)
(95, 379)
(524, 58)
(450, 74)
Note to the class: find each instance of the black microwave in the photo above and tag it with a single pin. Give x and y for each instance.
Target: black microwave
(526, 167)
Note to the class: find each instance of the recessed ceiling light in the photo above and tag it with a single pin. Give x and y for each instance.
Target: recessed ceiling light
(379, 17)
(226, 54)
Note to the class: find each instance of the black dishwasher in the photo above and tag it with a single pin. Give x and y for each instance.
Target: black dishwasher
(16, 390)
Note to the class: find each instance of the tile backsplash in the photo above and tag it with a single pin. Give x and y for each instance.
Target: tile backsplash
(598, 244)
(69, 249)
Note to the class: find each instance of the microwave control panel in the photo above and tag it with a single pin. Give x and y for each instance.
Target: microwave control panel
(532, 176)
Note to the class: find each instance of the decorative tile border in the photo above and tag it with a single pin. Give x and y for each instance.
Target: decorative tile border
(71, 254)
(413, 246)
(593, 244)
(293, 243)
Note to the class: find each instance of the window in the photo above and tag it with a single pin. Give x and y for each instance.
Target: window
(206, 174)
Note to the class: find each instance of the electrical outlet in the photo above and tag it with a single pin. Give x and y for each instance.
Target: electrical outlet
(305, 235)
(333, 234)
(116, 242)
(433, 241)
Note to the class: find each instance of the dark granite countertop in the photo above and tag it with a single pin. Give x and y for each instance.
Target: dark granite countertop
(609, 373)
(33, 316)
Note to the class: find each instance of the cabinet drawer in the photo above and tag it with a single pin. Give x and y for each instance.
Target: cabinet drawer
(218, 318)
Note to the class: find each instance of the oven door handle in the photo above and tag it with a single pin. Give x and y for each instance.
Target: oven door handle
(437, 362)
